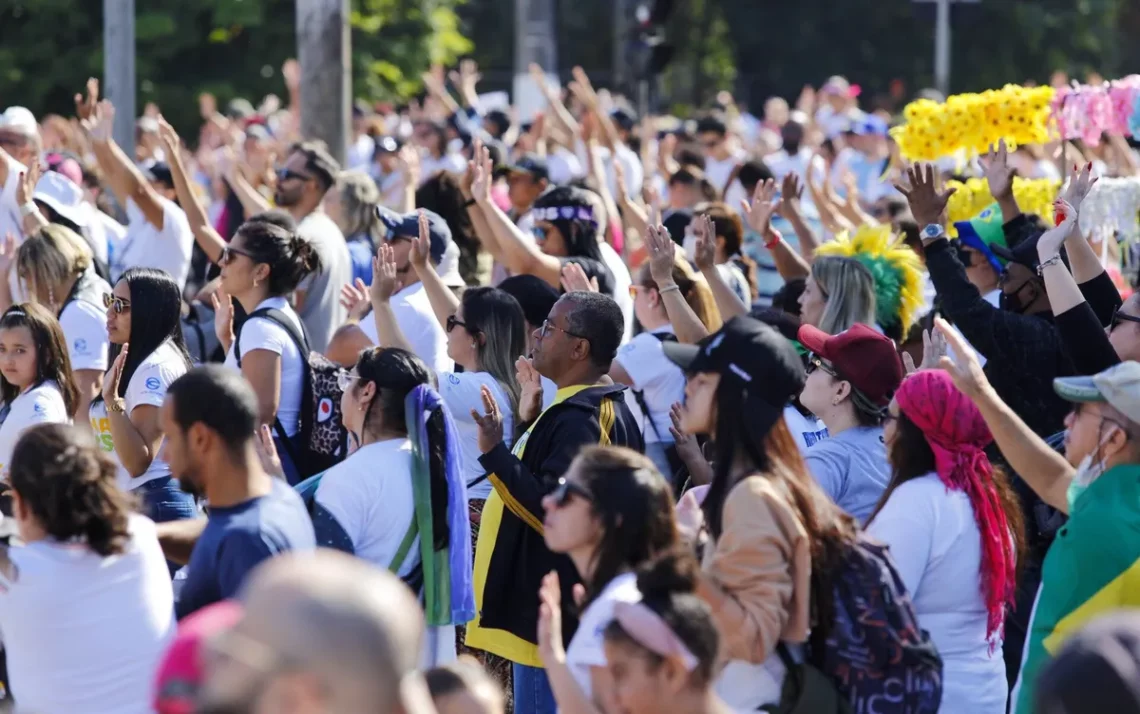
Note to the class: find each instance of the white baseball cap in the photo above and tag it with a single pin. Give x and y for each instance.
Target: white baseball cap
(448, 267)
(63, 196)
(1119, 386)
(19, 120)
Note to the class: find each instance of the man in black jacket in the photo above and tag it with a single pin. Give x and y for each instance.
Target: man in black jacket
(574, 348)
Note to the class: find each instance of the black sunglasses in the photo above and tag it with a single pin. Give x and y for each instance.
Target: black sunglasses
(229, 252)
(286, 174)
(565, 490)
(120, 305)
(453, 322)
(1119, 317)
(815, 363)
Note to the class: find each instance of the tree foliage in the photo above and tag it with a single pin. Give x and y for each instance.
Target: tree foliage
(231, 48)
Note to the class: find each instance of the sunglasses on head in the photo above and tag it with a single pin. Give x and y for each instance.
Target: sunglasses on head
(565, 490)
(119, 304)
(1119, 317)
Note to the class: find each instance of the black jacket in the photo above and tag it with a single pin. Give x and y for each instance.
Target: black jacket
(520, 558)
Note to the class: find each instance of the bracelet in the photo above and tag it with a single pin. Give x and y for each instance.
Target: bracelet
(669, 289)
(29, 208)
(1045, 264)
(775, 239)
(469, 203)
(117, 406)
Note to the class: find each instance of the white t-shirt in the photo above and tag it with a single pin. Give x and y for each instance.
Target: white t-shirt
(261, 333)
(660, 382)
(42, 404)
(145, 246)
(717, 171)
(622, 281)
(374, 506)
(148, 386)
(937, 548)
(586, 648)
(462, 392)
(359, 154)
(84, 323)
(86, 633)
(417, 321)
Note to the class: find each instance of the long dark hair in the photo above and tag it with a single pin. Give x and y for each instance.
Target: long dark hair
(910, 456)
(156, 317)
(68, 483)
(397, 372)
(581, 235)
(52, 361)
(497, 315)
(635, 505)
(289, 256)
(442, 194)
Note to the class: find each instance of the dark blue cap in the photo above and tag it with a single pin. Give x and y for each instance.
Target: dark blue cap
(408, 226)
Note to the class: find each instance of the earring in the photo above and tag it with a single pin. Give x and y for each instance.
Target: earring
(255, 281)
(51, 296)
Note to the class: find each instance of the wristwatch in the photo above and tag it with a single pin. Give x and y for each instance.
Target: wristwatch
(932, 232)
(118, 406)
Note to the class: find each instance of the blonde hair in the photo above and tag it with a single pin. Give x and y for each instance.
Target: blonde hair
(51, 257)
(850, 291)
(694, 289)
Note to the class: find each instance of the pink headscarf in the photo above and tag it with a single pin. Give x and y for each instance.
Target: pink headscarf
(956, 432)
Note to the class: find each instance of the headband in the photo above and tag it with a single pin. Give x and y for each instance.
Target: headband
(564, 213)
(647, 629)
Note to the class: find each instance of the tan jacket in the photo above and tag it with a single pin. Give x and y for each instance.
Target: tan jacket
(756, 576)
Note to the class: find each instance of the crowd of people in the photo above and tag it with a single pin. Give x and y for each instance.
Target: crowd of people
(590, 413)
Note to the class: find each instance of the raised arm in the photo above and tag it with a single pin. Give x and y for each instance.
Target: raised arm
(466, 80)
(999, 175)
(662, 253)
(791, 191)
(31, 218)
(483, 230)
(789, 264)
(443, 301)
(1083, 259)
(558, 110)
(208, 239)
(121, 174)
(252, 202)
(727, 302)
(385, 282)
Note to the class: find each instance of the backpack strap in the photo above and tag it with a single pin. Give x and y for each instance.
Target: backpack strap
(405, 546)
(640, 395)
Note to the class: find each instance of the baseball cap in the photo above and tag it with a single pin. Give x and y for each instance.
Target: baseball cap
(984, 231)
(1024, 253)
(181, 671)
(387, 145)
(869, 125)
(19, 120)
(754, 357)
(159, 172)
(1098, 670)
(532, 164)
(863, 357)
(448, 267)
(1118, 386)
(407, 225)
(63, 196)
(625, 119)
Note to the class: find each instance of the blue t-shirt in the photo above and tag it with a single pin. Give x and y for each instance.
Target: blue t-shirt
(852, 468)
(237, 539)
(361, 252)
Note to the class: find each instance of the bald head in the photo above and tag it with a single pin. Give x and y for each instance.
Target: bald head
(344, 634)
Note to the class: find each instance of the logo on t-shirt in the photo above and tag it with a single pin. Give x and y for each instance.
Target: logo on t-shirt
(324, 410)
(39, 408)
(152, 383)
(81, 346)
(454, 379)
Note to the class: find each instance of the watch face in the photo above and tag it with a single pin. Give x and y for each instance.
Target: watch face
(931, 231)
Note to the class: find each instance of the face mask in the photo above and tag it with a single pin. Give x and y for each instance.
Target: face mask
(1088, 470)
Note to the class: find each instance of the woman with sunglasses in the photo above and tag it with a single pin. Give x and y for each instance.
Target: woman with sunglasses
(397, 501)
(485, 336)
(610, 513)
(36, 383)
(261, 267)
(144, 324)
(55, 265)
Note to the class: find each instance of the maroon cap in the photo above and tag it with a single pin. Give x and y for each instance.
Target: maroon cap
(868, 360)
(181, 671)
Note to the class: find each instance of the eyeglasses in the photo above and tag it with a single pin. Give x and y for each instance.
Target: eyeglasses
(117, 303)
(539, 233)
(1119, 317)
(229, 252)
(815, 363)
(344, 379)
(547, 326)
(286, 174)
(453, 322)
(565, 490)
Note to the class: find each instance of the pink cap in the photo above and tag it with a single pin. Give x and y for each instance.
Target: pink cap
(181, 671)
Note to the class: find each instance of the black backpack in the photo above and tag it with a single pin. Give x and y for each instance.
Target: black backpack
(324, 440)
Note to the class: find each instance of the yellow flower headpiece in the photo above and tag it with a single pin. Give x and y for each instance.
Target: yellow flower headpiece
(896, 270)
(972, 122)
(1034, 196)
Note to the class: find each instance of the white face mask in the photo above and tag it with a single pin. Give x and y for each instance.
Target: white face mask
(1090, 468)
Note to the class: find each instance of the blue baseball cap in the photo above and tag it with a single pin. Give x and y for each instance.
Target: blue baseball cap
(869, 125)
(407, 226)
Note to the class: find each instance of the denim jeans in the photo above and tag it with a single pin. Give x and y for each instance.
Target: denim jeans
(163, 500)
(532, 691)
(292, 475)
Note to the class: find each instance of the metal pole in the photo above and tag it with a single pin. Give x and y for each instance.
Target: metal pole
(324, 48)
(119, 68)
(942, 47)
(535, 41)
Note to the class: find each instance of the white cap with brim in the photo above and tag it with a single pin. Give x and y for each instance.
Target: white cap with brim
(19, 120)
(63, 196)
(1117, 386)
(448, 267)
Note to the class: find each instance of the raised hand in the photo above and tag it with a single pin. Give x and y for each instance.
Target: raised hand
(101, 123)
(8, 251)
(85, 104)
(927, 201)
(764, 204)
(687, 446)
(662, 251)
(550, 648)
(385, 276)
(421, 247)
(530, 382)
(468, 77)
(583, 89)
(490, 424)
(705, 233)
(26, 186)
(1080, 184)
(111, 383)
(961, 362)
(355, 299)
(574, 279)
(409, 158)
(482, 176)
(267, 452)
(791, 191)
(1049, 244)
(223, 305)
(998, 172)
(168, 136)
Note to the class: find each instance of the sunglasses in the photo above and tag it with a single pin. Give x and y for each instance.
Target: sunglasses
(117, 303)
(815, 363)
(229, 252)
(1119, 317)
(539, 233)
(286, 174)
(565, 490)
(453, 322)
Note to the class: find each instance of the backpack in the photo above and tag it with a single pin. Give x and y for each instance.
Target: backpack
(679, 477)
(198, 332)
(324, 440)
